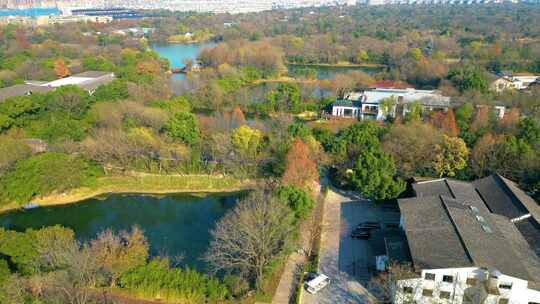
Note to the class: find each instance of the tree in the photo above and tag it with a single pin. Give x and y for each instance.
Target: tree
(297, 199)
(11, 151)
(510, 119)
(285, 98)
(411, 146)
(414, 112)
(388, 105)
(373, 175)
(61, 69)
(237, 117)
(249, 237)
(68, 100)
(119, 253)
(301, 169)
(484, 156)
(116, 90)
(19, 249)
(481, 119)
(246, 140)
(183, 126)
(468, 79)
(45, 173)
(450, 156)
(352, 140)
(529, 131)
(464, 115)
(449, 126)
(387, 284)
(362, 56)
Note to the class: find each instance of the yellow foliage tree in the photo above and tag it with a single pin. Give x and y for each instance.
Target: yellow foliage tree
(246, 140)
(450, 156)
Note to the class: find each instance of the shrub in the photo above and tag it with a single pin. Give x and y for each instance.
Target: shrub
(157, 278)
(45, 173)
(297, 199)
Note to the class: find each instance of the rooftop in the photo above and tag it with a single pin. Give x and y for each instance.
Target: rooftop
(425, 97)
(21, 90)
(450, 224)
(87, 80)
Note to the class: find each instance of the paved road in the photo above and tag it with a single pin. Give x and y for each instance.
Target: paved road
(344, 260)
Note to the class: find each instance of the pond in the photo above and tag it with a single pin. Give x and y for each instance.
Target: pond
(177, 53)
(175, 225)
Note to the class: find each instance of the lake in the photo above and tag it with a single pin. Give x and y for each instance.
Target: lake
(31, 12)
(177, 53)
(175, 224)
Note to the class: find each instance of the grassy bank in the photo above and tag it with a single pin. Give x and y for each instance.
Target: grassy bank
(144, 183)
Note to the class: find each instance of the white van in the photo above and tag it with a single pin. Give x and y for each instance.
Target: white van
(317, 283)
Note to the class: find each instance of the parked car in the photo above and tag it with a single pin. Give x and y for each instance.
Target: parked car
(314, 282)
(361, 233)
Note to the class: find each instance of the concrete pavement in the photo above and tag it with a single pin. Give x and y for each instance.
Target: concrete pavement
(339, 252)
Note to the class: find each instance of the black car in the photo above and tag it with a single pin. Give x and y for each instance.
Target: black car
(360, 233)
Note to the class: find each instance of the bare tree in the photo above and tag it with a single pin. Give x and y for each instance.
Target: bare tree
(384, 286)
(118, 253)
(248, 238)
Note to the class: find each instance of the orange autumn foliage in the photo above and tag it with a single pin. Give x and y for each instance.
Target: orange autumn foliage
(449, 125)
(481, 120)
(237, 117)
(148, 67)
(61, 69)
(301, 169)
(510, 119)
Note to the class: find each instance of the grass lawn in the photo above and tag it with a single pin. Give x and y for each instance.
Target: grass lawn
(143, 183)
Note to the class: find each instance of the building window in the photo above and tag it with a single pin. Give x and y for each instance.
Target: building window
(407, 289)
(448, 278)
(427, 292)
(503, 301)
(471, 281)
(444, 295)
(505, 285)
(429, 276)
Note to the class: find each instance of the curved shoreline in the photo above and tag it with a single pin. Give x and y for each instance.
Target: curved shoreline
(144, 184)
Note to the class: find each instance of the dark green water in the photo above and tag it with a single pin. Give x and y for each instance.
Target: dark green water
(175, 225)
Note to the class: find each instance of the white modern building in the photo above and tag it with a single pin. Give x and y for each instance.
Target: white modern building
(466, 285)
(511, 81)
(474, 243)
(88, 81)
(379, 103)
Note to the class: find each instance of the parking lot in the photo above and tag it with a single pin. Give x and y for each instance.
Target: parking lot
(350, 263)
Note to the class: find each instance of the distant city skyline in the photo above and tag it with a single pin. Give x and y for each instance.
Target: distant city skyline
(223, 6)
(216, 6)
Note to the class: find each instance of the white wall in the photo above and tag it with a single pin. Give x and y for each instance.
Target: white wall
(518, 294)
